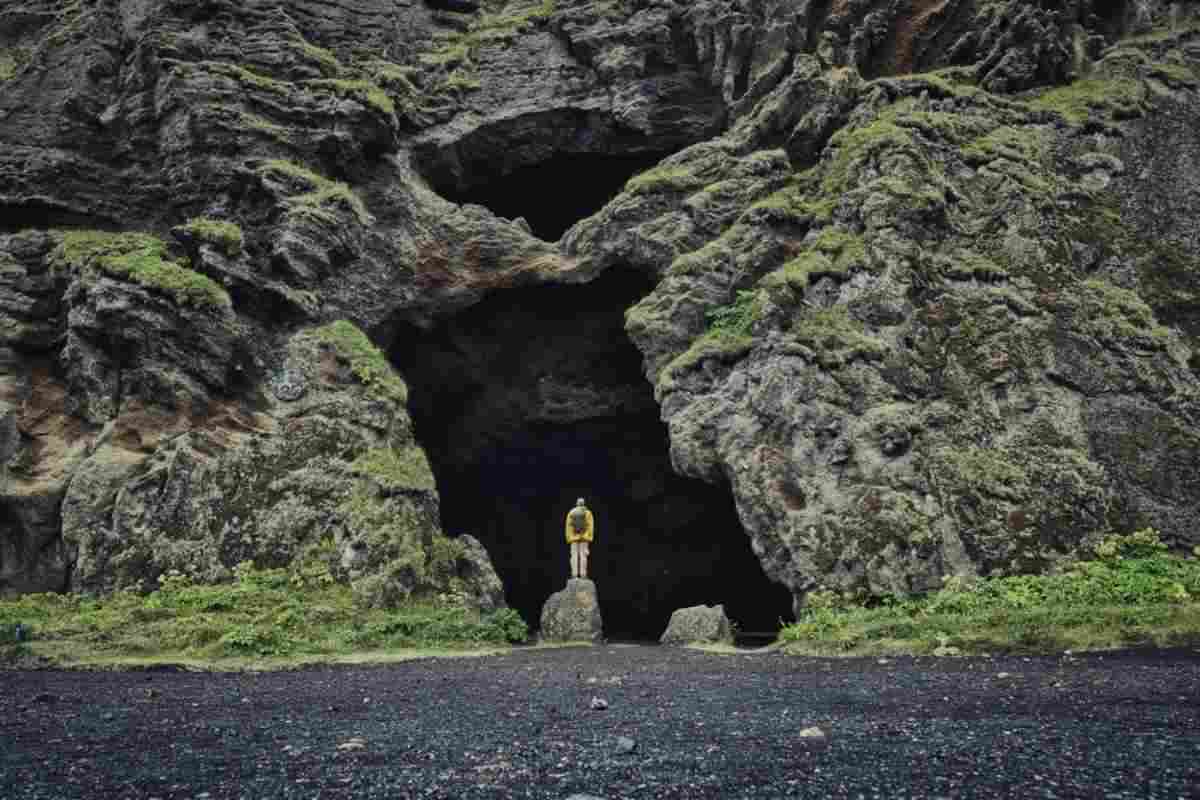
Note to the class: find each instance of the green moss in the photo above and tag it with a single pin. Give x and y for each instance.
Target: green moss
(1104, 97)
(852, 146)
(703, 259)
(220, 233)
(363, 91)
(261, 125)
(448, 56)
(834, 252)
(390, 75)
(365, 360)
(456, 54)
(504, 27)
(985, 470)
(462, 80)
(836, 337)
(406, 469)
(317, 191)
(667, 178)
(1024, 145)
(142, 259)
(722, 345)
(952, 128)
(8, 66)
(1177, 74)
(1116, 314)
(323, 58)
(248, 77)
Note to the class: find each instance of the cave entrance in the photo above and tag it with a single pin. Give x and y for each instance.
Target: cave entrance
(535, 397)
(554, 194)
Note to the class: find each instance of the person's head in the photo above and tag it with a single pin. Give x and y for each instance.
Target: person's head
(579, 502)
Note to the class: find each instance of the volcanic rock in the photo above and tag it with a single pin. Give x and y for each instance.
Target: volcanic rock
(573, 614)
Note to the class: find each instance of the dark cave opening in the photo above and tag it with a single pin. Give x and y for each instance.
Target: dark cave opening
(554, 194)
(1112, 14)
(536, 397)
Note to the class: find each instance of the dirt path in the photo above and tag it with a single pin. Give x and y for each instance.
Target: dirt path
(704, 726)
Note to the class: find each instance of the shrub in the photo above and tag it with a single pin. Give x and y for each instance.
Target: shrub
(1133, 592)
(261, 613)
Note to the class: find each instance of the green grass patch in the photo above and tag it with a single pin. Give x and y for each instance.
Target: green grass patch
(1130, 593)
(397, 469)
(488, 29)
(277, 616)
(365, 92)
(1103, 97)
(366, 361)
(248, 77)
(324, 59)
(219, 233)
(314, 192)
(664, 179)
(833, 253)
(142, 259)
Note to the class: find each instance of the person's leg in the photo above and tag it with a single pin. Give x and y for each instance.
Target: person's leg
(583, 559)
(574, 559)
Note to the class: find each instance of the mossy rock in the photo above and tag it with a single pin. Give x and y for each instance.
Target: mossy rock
(142, 259)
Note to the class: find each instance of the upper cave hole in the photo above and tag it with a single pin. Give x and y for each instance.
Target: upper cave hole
(1112, 15)
(554, 194)
(535, 397)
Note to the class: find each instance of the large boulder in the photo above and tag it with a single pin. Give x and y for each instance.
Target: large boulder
(698, 625)
(573, 614)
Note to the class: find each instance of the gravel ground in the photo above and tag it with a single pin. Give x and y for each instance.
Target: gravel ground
(677, 724)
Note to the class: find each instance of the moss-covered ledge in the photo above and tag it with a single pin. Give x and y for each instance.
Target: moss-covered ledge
(142, 259)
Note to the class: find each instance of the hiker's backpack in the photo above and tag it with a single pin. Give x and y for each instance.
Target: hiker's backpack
(579, 519)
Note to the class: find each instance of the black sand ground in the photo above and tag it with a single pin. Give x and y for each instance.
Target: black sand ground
(521, 725)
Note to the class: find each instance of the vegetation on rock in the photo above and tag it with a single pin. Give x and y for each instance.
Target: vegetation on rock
(316, 192)
(1130, 593)
(364, 91)
(397, 469)
(143, 259)
(366, 361)
(219, 233)
(299, 613)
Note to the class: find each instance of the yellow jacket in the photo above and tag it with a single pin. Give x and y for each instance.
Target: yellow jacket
(586, 535)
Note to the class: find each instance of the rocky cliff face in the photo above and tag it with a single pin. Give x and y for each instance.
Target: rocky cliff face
(918, 280)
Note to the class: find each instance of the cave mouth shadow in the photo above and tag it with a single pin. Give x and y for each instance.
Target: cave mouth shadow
(536, 397)
(551, 195)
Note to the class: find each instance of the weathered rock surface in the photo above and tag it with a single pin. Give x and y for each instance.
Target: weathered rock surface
(698, 625)
(573, 614)
(925, 273)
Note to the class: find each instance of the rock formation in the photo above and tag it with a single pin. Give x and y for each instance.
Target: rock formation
(698, 625)
(573, 614)
(913, 287)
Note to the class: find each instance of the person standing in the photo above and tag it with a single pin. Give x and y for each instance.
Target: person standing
(581, 527)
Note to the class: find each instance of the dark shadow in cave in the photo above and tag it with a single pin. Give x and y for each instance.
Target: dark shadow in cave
(536, 397)
(1113, 15)
(41, 215)
(554, 194)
